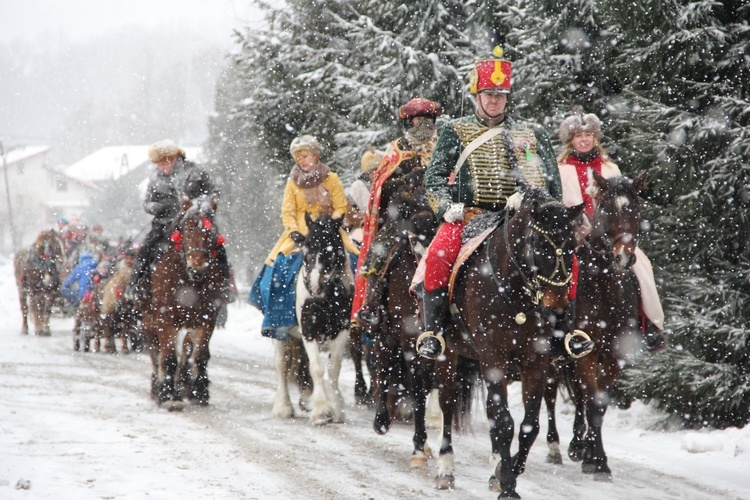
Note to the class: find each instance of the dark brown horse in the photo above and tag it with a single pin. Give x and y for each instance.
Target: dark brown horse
(185, 295)
(402, 377)
(37, 271)
(509, 285)
(606, 309)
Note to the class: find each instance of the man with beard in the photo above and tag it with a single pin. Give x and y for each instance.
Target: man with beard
(401, 170)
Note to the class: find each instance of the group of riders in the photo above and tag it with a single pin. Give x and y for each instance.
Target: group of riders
(471, 166)
(475, 165)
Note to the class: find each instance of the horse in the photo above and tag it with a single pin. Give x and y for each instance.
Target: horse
(119, 315)
(88, 323)
(185, 295)
(324, 292)
(607, 309)
(402, 377)
(37, 271)
(512, 283)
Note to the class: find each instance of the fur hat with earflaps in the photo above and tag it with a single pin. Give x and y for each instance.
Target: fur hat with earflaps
(575, 124)
(164, 149)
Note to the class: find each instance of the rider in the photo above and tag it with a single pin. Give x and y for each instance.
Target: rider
(173, 177)
(403, 165)
(474, 170)
(583, 153)
(81, 275)
(358, 194)
(310, 189)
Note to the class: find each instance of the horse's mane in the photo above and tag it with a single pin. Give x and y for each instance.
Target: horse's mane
(51, 237)
(324, 233)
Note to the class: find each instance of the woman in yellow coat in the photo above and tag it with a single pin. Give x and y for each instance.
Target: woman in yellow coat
(311, 189)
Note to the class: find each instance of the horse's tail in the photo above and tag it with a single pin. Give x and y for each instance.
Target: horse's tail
(467, 378)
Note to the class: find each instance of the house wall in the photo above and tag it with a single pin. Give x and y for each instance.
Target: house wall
(38, 196)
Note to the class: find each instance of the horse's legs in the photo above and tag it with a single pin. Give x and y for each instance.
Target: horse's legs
(385, 354)
(420, 374)
(335, 398)
(167, 372)
(597, 401)
(501, 434)
(534, 385)
(550, 399)
(23, 298)
(355, 349)
(446, 371)
(198, 352)
(321, 408)
(282, 405)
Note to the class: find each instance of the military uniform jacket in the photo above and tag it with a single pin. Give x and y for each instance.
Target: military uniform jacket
(489, 175)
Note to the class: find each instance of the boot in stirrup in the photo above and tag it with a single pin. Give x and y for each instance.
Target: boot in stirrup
(369, 314)
(431, 344)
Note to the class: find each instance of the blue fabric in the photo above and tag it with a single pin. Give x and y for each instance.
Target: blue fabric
(81, 274)
(274, 294)
(353, 261)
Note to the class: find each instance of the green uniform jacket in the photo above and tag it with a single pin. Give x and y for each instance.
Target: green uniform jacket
(486, 178)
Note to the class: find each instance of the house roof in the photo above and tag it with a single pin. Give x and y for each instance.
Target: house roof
(113, 162)
(24, 153)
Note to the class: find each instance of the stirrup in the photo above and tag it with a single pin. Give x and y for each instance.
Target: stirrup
(583, 345)
(421, 345)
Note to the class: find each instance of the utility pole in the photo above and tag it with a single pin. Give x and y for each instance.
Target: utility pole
(13, 235)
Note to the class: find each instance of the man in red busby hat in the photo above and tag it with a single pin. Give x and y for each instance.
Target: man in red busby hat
(474, 169)
(387, 216)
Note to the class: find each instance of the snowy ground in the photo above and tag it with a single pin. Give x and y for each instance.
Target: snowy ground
(81, 425)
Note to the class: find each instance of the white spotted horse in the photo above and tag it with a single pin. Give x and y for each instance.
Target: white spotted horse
(324, 292)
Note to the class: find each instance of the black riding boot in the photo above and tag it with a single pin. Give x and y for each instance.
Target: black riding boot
(139, 288)
(369, 313)
(568, 344)
(431, 343)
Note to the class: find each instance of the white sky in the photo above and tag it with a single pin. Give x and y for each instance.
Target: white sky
(78, 20)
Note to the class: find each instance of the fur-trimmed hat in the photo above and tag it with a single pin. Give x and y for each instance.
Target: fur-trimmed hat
(164, 149)
(491, 74)
(305, 142)
(419, 107)
(574, 124)
(371, 160)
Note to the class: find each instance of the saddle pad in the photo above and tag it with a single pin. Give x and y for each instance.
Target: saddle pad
(467, 249)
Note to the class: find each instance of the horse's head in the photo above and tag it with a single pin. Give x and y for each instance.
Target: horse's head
(197, 237)
(618, 217)
(324, 254)
(544, 244)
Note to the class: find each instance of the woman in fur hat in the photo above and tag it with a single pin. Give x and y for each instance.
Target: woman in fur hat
(582, 155)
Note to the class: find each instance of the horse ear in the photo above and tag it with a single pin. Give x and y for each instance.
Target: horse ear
(185, 203)
(575, 211)
(308, 219)
(601, 181)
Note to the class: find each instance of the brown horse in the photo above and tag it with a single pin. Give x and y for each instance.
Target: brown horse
(185, 294)
(402, 375)
(510, 286)
(607, 309)
(119, 316)
(37, 271)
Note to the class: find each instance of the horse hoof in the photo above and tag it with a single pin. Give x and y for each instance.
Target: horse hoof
(509, 494)
(418, 462)
(603, 477)
(494, 484)
(173, 405)
(324, 420)
(554, 458)
(445, 482)
(428, 451)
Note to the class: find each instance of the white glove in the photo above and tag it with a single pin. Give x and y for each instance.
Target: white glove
(514, 201)
(454, 213)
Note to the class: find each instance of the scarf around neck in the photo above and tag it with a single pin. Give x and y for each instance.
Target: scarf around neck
(312, 178)
(584, 167)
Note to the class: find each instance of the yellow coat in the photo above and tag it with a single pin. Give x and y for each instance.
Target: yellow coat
(295, 206)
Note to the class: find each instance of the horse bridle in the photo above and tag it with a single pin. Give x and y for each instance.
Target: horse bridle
(533, 285)
(610, 242)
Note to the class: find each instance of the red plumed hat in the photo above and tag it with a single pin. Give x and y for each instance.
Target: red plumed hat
(491, 74)
(419, 107)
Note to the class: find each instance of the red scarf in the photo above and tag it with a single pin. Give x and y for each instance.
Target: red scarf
(582, 169)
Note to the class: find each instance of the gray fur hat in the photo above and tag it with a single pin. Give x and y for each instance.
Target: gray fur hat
(579, 123)
(305, 142)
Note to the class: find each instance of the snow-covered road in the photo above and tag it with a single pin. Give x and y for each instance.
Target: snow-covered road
(81, 425)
